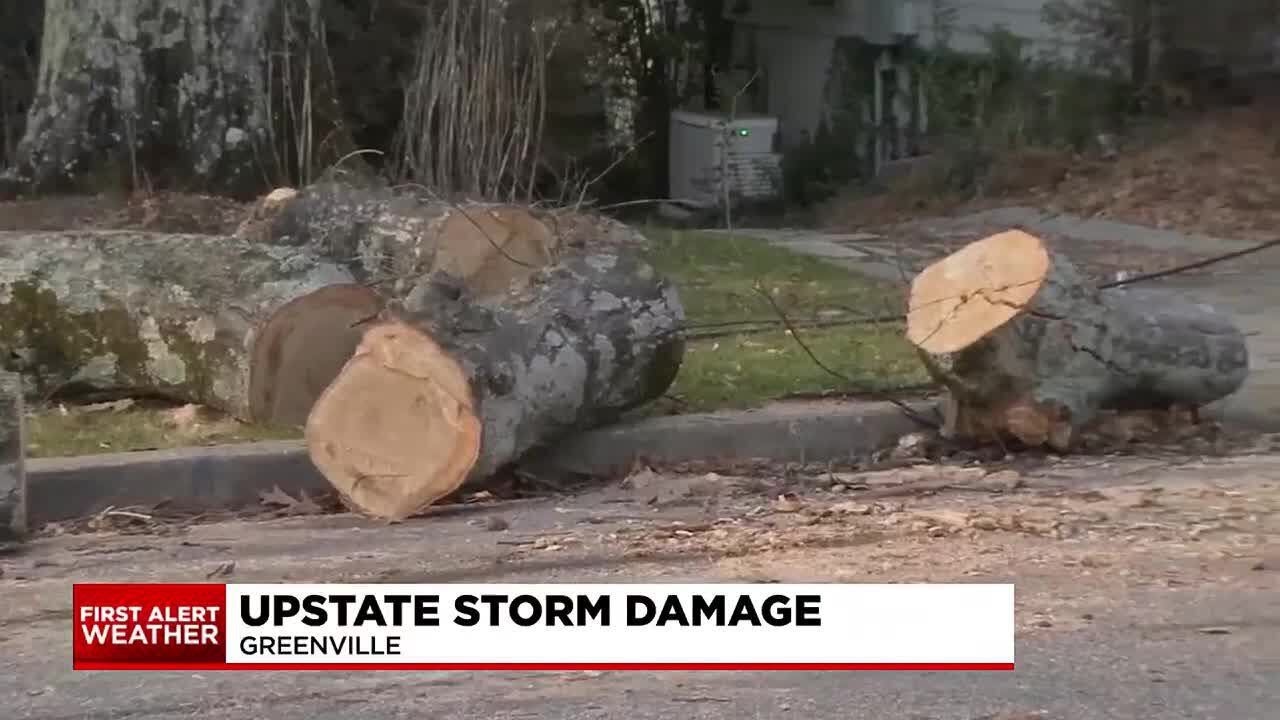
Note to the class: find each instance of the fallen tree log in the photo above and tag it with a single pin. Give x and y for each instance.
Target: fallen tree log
(449, 389)
(253, 330)
(1027, 348)
(13, 476)
(393, 238)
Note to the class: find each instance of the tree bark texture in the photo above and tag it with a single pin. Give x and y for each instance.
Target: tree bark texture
(202, 319)
(149, 87)
(451, 389)
(393, 239)
(1027, 347)
(13, 478)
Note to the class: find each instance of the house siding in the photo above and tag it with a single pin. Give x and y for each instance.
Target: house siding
(972, 19)
(839, 18)
(793, 43)
(794, 66)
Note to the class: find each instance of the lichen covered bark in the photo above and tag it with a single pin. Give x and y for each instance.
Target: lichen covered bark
(386, 238)
(13, 479)
(393, 238)
(1076, 350)
(149, 86)
(589, 339)
(130, 313)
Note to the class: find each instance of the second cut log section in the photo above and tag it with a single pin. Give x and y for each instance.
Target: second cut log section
(1027, 347)
(450, 388)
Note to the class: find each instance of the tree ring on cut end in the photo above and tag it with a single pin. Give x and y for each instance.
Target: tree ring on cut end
(301, 349)
(971, 293)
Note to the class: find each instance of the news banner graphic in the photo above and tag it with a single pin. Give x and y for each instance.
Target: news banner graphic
(543, 627)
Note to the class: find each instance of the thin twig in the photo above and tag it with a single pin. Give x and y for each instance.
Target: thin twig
(731, 328)
(795, 335)
(616, 162)
(1191, 266)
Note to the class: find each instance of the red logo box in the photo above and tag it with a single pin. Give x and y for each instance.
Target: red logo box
(149, 626)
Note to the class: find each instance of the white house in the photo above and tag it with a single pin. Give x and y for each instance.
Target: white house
(797, 49)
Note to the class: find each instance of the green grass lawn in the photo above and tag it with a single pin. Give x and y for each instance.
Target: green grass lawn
(717, 276)
(55, 433)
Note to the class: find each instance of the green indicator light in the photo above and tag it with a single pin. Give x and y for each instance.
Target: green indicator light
(743, 132)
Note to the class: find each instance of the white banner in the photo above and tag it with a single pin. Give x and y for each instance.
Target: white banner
(724, 626)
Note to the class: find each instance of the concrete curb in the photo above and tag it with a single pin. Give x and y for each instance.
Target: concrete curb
(232, 476)
(790, 432)
(198, 478)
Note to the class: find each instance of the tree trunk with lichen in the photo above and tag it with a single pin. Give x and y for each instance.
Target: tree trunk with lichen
(149, 90)
(449, 388)
(13, 478)
(193, 318)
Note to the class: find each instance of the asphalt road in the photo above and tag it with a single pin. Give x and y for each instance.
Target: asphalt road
(1122, 668)
(1189, 629)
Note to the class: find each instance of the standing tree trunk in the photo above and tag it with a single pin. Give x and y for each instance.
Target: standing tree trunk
(149, 89)
(13, 480)
(1140, 19)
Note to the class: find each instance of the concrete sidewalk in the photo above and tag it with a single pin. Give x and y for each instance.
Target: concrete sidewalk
(1248, 288)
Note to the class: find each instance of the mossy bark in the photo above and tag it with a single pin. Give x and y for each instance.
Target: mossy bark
(126, 313)
(149, 88)
(13, 478)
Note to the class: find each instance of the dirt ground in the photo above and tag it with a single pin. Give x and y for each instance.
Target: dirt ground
(156, 212)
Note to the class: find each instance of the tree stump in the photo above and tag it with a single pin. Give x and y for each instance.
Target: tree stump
(13, 477)
(1027, 348)
(450, 389)
(254, 330)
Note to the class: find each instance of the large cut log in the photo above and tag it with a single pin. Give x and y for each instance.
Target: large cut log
(1027, 348)
(13, 477)
(392, 238)
(451, 389)
(254, 330)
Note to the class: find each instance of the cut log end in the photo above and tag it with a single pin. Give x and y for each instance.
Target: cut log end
(493, 249)
(397, 429)
(301, 349)
(964, 297)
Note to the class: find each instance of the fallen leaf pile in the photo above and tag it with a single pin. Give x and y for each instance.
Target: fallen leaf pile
(1213, 173)
(1217, 174)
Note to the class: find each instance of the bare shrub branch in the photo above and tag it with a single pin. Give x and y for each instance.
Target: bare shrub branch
(475, 106)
